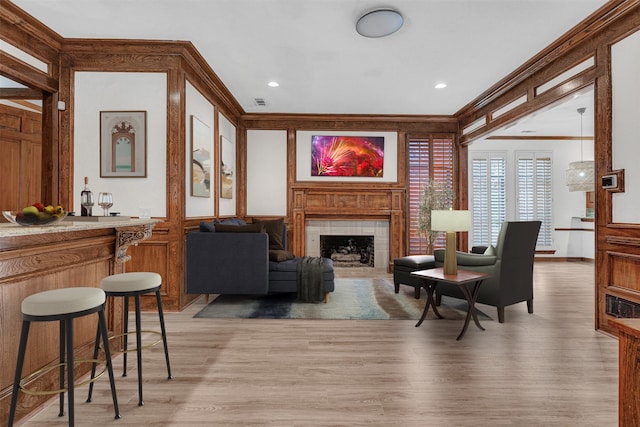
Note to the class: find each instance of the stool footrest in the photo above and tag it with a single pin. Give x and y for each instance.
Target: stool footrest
(48, 368)
(129, 350)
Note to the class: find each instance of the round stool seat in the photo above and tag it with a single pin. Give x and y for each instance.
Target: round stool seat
(62, 301)
(131, 282)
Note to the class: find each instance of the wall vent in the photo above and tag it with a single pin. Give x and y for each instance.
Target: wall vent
(259, 102)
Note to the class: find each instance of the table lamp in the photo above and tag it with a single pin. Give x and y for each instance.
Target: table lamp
(450, 221)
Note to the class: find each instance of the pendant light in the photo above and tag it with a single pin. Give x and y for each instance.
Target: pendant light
(580, 175)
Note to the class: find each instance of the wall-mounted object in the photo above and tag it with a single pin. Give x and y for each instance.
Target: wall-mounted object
(614, 181)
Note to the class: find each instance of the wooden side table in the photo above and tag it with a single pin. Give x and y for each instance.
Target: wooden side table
(469, 283)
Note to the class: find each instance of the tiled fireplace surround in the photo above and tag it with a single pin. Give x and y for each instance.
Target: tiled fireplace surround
(378, 229)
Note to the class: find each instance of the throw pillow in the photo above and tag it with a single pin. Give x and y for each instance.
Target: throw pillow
(208, 227)
(491, 250)
(273, 227)
(279, 256)
(248, 228)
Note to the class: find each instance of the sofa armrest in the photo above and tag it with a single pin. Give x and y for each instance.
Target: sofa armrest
(227, 263)
(465, 259)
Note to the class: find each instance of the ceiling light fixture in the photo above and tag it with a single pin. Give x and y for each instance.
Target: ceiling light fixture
(273, 84)
(379, 23)
(441, 85)
(580, 175)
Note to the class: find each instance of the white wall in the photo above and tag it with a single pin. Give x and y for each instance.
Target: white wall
(267, 172)
(198, 106)
(625, 72)
(228, 130)
(567, 206)
(99, 91)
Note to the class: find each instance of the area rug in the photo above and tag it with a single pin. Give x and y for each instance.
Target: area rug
(353, 298)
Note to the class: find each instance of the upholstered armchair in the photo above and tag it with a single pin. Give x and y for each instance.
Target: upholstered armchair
(510, 265)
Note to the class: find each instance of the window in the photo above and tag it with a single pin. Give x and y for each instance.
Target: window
(430, 157)
(488, 197)
(534, 198)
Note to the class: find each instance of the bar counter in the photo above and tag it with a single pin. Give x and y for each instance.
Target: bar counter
(36, 259)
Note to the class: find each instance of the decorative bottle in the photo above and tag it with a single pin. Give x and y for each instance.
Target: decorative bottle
(86, 199)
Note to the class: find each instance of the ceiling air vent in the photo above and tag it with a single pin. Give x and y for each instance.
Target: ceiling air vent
(259, 102)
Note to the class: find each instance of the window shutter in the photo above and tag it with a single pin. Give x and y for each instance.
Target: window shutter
(488, 195)
(534, 200)
(430, 157)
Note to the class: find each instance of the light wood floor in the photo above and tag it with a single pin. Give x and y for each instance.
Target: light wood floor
(550, 368)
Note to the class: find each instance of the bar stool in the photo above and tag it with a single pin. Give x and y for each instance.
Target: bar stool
(63, 305)
(127, 285)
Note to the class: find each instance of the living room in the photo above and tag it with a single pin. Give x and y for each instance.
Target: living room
(174, 85)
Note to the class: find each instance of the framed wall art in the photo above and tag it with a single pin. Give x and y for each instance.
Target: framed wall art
(347, 156)
(227, 163)
(200, 158)
(123, 144)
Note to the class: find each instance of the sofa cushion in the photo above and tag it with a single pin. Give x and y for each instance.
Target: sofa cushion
(207, 227)
(274, 228)
(233, 221)
(231, 228)
(279, 256)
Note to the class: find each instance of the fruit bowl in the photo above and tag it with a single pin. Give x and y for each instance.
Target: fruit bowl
(33, 219)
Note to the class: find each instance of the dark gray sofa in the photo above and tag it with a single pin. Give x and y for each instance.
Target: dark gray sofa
(238, 263)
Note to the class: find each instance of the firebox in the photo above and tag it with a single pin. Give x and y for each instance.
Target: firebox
(348, 251)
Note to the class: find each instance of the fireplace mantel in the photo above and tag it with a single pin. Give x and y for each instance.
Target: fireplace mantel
(347, 204)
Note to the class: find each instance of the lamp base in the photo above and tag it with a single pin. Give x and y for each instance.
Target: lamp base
(450, 259)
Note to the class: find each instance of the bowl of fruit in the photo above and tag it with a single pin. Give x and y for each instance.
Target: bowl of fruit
(37, 214)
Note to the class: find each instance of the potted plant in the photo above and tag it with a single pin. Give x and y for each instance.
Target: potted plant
(436, 195)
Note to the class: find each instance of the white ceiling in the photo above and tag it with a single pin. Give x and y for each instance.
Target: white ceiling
(323, 65)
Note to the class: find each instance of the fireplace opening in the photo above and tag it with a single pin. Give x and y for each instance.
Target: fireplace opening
(348, 251)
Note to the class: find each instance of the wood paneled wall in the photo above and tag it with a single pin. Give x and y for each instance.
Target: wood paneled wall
(21, 159)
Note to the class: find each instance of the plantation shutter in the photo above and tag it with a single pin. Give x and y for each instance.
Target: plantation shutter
(431, 157)
(535, 199)
(488, 195)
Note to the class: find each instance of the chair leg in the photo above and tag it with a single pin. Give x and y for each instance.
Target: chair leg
(61, 341)
(164, 332)
(438, 299)
(326, 297)
(416, 291)
(96, 347)
(102, 330)
(70, 376)
(530, 306)
(125, 337)
(396, 287)
(139, 349)
(500, 314)
(22, 347)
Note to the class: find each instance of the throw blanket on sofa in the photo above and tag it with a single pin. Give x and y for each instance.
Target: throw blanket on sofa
(310, 279)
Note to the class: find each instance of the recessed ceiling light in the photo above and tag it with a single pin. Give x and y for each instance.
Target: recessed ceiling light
(273, 84)
(441, 85)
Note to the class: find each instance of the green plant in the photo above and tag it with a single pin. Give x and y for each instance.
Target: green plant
(435, 195)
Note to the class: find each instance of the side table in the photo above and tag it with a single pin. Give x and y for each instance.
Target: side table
(469, 283)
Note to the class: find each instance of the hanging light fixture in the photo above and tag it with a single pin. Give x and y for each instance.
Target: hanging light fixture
(580, 175)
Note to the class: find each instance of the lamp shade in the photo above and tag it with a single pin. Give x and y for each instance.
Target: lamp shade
(580, 176)
(450, 220)
(379, 23)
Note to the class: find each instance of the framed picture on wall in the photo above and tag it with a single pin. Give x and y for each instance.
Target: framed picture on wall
(227, 165)
(200, 159)
(123, 144)
(347, 156)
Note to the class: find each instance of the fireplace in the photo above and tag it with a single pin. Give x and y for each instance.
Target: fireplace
(367, 236)
(348, 251)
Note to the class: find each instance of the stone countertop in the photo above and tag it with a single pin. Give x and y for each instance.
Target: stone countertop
(68, 225)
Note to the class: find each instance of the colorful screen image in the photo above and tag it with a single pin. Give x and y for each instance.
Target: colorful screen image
(357, 156)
